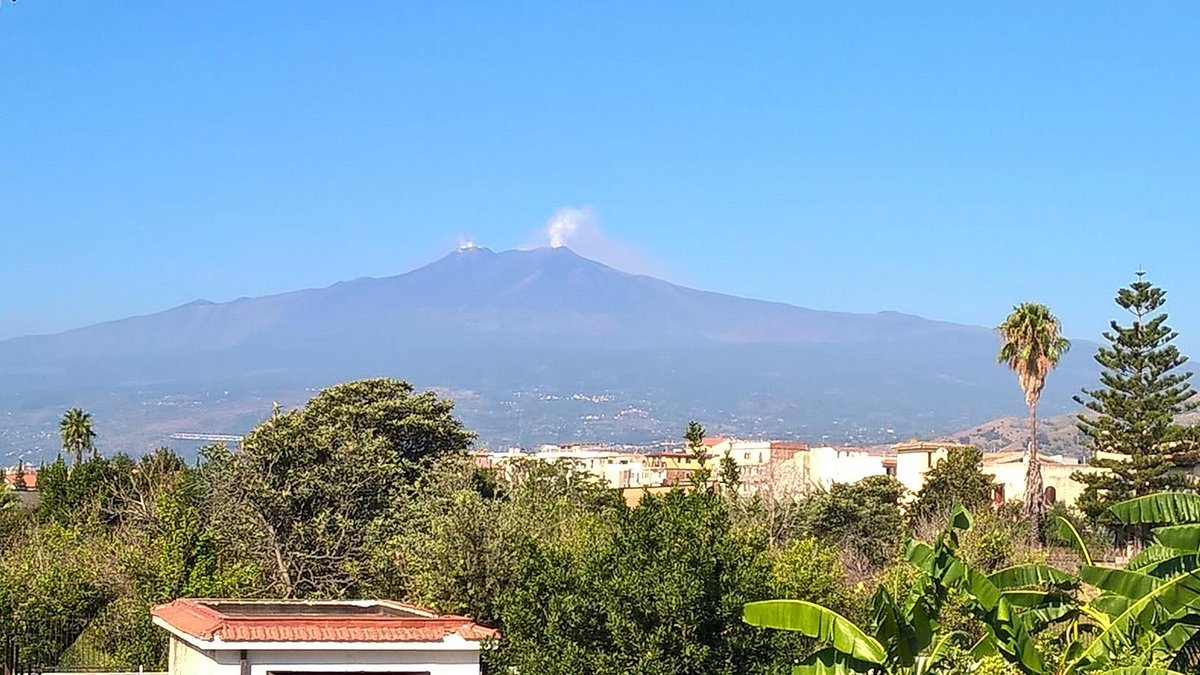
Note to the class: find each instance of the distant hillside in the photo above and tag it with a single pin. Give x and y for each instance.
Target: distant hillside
(535, 346)
(1057, 435)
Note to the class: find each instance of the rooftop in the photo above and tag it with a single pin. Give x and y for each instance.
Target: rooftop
(226, 620)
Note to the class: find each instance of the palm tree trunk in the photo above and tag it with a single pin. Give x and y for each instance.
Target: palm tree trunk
(1035, 504)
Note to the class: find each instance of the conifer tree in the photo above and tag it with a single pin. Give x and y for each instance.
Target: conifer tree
(694, 436)
(730, 475)
(1135, 411)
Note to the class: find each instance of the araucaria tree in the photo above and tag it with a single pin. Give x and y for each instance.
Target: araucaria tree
(76, 432)
(1132, 430)
(1032, 345)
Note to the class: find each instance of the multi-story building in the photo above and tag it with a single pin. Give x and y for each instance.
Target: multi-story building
(914, 459)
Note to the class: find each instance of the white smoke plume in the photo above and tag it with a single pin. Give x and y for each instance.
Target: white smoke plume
(565, 222)
(578, 227)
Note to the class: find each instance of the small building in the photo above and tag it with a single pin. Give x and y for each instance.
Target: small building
(294, 637)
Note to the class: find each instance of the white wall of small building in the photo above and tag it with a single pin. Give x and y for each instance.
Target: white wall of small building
(438, 658)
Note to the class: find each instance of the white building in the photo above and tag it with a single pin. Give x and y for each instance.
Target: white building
(290, 637)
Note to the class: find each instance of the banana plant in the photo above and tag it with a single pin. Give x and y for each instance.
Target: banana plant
(1154, 603)
(902, 642)
(1145, 618)
(903, 635)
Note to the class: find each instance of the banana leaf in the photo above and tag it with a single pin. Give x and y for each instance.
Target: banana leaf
(928, 663)
(1154, 553)
(817, 622)
(1067, 531)
(1170, 596)
(1182, 537)
(1170, 567)
(1173, 508)
(1132, 585)
(1178, 642)
(1110, 604)
(1027, 576)
(832, 662)
(1187, 652)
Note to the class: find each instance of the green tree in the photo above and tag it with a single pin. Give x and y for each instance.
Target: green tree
(694, 437)
(459, 546)
(1032, 344)
(311, 487)
(75, 428)
(164, 548)
(956, 479)
(50, 587)
(863, 517)
(1132, 430)
(79, 495)
(654, 589)
(730, 476)
(809, 569)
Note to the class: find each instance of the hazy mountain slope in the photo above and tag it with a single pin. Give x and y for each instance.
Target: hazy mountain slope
(536, 346)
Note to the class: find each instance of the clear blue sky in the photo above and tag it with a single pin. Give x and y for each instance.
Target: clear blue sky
(945, 159)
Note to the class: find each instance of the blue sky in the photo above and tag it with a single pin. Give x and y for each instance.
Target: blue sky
(943, 159)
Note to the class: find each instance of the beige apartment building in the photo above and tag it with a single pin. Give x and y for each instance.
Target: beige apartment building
(914, 459)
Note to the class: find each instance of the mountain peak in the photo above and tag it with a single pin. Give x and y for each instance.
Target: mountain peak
(471, 247)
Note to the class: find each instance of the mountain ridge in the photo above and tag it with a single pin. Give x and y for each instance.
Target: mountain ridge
(512, 334)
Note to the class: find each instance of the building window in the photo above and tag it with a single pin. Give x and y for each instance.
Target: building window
(1050, 495)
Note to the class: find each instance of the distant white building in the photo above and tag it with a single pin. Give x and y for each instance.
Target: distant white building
(290, 637)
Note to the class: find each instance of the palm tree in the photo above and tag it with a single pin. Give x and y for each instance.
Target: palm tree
(1032, 345)
(76, 431)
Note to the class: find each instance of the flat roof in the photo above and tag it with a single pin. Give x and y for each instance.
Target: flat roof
(232, 620)
(243, 609)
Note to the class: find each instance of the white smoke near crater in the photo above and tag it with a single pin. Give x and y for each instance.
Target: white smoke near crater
(565, 222)
(578, 228)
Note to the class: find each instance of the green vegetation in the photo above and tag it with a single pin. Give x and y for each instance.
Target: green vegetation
(1032, 346)
(956, 480)
(1135, 411)
(1029, 618)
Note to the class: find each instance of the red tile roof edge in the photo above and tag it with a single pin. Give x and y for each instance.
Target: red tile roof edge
(205, 623)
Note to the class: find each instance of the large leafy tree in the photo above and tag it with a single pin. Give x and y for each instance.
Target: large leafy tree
(312, 487)
(1032, 344)
(655, 589)
(460, 541)
(76, 432)
(1132, 428)
(863, 517)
